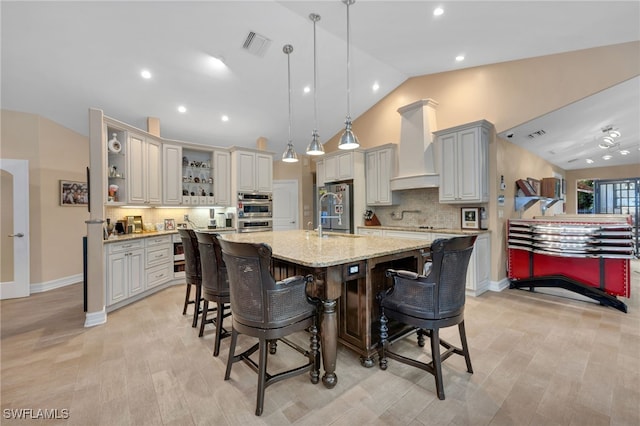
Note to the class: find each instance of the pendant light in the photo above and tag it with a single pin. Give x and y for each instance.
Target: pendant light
(348, 140)
(289, 156)
(315, 147)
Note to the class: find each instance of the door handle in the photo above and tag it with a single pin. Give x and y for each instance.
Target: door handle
(19, 235)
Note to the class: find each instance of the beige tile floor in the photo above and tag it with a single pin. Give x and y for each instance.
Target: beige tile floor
(538, 360)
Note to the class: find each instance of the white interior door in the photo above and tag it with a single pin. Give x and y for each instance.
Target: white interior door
(14, 229)
(285, 205)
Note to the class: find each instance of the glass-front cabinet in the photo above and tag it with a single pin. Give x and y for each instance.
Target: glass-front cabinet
(197, 178)
(116, 190)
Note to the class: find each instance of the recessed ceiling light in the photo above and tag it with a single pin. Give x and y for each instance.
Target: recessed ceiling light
(614, 134)
(182, 109)
(606, 157)
(608, 139)
(146, 74)
(603, 145)
(375, 87)
(590, 161)
(624, 152)
(306, 89)
(217, 62)
(225, 118)
(438, 11)
(460, 58)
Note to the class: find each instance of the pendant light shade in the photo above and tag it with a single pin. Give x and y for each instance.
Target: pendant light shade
(315, 147)
(348, 140)
(289, 155)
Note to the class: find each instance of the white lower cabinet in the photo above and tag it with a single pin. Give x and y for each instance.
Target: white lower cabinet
(159, 260)
(478, 271)
(125, 270)
(137, 265)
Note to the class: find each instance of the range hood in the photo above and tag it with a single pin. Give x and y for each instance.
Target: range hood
(417, 165)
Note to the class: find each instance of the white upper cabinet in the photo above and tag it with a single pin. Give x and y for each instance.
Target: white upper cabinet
(172, 174)
(464, 162)
(380, 167)
(252, 171)
(144, 170)
(222, 177)
(340, 166)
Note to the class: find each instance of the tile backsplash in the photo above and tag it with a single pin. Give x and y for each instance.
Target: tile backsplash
(424, 200)
(199, 216)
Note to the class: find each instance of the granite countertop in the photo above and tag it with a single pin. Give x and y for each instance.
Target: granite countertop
(307, 249)
(426, 230)
(148, 234)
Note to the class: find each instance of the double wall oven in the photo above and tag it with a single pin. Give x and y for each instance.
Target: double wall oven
(255, 211)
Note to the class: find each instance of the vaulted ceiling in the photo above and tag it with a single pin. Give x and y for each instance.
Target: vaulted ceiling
(60, 58)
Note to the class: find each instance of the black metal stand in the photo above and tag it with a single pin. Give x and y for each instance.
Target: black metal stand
(571, 285)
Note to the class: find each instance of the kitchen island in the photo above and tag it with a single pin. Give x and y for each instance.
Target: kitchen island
(346, 268)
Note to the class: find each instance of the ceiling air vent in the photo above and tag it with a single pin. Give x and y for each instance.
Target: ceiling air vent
(256, 43)
(536, 134)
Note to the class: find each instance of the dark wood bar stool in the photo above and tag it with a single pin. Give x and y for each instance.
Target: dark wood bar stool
(215, 286)
(193, 273)
(268, 310)
(427, 304)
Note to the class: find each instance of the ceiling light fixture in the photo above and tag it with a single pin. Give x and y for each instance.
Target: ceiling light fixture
(348, 140)
(438, 11)
(624, 152)
(614, 134)
(315, 147)
(289, 155)
(460, 58)
(182, 109)
(375, 86)
(224, 118)
(589, 161)
(606, 157)
(608, 139)
(146, 74)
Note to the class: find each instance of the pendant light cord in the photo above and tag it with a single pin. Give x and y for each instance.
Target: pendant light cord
(348, 3)
(315, 18)
(288, 50)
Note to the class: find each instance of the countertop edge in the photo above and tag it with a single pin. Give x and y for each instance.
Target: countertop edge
(425, 230)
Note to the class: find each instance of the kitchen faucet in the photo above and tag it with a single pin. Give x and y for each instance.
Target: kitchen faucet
(339, 217)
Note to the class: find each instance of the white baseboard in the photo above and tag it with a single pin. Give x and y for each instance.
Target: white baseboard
(57, 283)
(498, 286)
(95, 318)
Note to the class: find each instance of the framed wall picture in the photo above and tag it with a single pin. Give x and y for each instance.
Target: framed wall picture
(470, 217)
(535, 184)
(169, 224)
(74, 193)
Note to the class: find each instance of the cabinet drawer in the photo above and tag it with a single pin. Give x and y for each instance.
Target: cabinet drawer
(159, 275)
(159, 240)
(159, 255)
(125, 245)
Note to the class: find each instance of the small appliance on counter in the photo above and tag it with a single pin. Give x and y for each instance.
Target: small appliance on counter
(134, 225)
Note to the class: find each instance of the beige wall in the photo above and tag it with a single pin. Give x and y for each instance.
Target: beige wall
(54, 153)
(506, 94)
